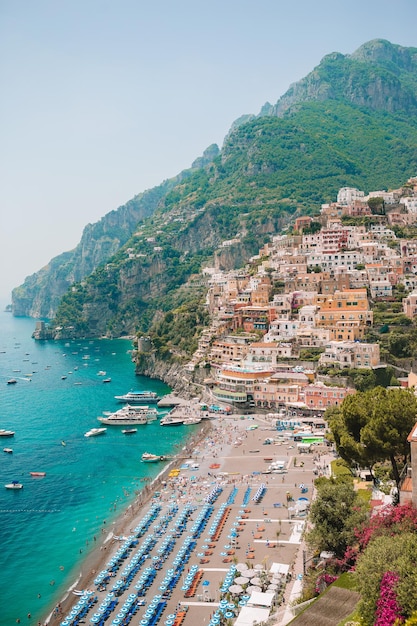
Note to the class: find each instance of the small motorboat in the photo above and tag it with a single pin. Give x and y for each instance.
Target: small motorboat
(6, 433)
(147, 457)
(14, 485)
(12, 381)
(129, 431)
(95, 431)
(106, 380)
(8, 450)
(37, 474)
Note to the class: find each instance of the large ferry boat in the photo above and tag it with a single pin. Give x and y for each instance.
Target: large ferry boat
(139, 397)
(129, 416)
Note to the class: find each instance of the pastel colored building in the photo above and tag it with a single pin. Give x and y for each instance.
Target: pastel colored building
(318, 397)
(351, 354)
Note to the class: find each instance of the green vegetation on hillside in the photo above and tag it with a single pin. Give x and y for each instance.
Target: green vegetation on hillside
(351, 122)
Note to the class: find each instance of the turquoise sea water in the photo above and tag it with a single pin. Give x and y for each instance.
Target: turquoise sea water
(48, 527)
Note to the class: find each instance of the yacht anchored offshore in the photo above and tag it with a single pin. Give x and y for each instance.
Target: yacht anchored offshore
(139, 397)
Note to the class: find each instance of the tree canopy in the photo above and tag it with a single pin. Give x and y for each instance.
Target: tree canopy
(373, 426)
(335, 514)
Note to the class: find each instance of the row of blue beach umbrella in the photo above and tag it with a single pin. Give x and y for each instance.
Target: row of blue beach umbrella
(82, 607)
(228, 579)
(147, 520)
(106, 607)
(201, 521)
(213, 495)
(189, 578)
(260, 493)
(217, 519)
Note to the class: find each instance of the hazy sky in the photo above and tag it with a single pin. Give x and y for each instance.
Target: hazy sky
(103, 99)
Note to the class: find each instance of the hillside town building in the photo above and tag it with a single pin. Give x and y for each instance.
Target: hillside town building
(309, 295)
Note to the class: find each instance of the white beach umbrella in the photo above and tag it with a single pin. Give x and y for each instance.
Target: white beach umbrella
(241, 580)
(235, 589)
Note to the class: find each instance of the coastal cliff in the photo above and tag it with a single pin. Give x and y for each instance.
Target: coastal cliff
(351, 122)
(40, 294)
(183, 382)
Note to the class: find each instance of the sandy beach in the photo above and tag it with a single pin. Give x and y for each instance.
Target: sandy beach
(198, 541)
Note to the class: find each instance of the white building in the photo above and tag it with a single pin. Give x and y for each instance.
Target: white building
(352, 354)
(348, 195)
(329, 262)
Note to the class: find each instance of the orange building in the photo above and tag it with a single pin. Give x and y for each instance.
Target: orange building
(347, 313)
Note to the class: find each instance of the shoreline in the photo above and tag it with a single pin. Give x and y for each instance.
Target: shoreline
(263, 534)
(96, 559)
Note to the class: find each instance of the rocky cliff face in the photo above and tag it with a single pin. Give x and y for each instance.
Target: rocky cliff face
(183, 382)
(379, 75)
(40, 294)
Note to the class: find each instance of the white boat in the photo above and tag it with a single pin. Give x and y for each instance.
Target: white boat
(189, 421)
(6, 433)
(12, 381)
(168, 420)
(95, 431)
(14, 485)
(147, 457)
(101, 373)
(129, 431)
(130, 416)
(8, 450)
(139, 397)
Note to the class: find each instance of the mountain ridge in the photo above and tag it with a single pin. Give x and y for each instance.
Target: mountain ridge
(271, 167)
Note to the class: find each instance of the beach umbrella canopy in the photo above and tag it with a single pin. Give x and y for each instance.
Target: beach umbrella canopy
(241, 580)
(255, 581)
(249, 573)
(235, 589)
(252, 588)
(241, 567)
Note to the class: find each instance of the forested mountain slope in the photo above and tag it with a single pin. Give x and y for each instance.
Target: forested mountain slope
(351, 122)
(40, 294)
